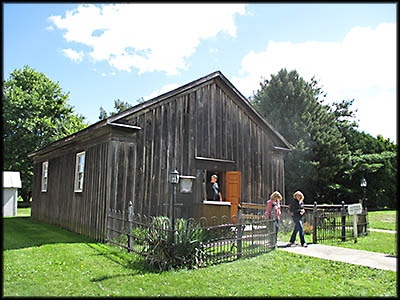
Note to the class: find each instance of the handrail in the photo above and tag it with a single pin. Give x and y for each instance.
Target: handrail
(253, 205)
(305, 207)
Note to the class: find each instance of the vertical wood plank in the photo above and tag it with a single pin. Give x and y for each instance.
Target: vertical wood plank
(206, 145)
(157, 135)
(192, 132)
(164, 161)
(152, 157)
(141, 165)
(214, 125)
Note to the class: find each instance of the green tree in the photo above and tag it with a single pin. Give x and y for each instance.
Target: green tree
(330, 155)
(295, 108)
(375, 159)
(119, 106)
(35, 113)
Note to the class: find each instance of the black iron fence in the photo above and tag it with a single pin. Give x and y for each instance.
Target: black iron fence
(333, 222)
(209, 241)
(327, 222)
(194, 242)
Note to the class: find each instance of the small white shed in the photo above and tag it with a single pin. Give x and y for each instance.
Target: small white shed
(11, 184)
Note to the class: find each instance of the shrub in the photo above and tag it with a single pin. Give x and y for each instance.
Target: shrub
(139, 235)
(172, 249)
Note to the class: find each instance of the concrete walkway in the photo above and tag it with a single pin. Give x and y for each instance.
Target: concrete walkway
(347, 255)
(382, 230)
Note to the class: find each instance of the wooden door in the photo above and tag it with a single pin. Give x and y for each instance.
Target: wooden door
(232, 190)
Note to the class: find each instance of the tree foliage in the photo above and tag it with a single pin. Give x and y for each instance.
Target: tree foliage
(327, 157)
(375, 159)
(295, 108)
(35, 113)
(119, 106)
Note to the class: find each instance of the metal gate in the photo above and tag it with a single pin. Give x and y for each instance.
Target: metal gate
(332, 222)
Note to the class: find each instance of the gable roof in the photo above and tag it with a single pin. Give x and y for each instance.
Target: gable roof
(113, 120)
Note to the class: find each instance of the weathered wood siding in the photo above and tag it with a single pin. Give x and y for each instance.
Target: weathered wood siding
(205, 122)
(81, 212)
(204, 127)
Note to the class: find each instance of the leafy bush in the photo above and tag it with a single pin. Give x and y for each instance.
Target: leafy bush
(139, 235)
(167, 248)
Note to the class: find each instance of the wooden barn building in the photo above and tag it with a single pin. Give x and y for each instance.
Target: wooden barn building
(202, 128)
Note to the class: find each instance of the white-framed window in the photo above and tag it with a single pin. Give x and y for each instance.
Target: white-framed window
(79, 171)
(45, 170)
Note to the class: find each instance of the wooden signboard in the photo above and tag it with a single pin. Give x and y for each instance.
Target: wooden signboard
(354, 209)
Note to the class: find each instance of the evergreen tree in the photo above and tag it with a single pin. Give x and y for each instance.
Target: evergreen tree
(374, 159)
(295, 108)
(330, 156)
(119, 106)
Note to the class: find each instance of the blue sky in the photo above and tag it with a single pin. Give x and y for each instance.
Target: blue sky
(100, 53)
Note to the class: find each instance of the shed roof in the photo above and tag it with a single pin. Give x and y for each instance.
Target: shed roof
(11, 179)
(112, 121)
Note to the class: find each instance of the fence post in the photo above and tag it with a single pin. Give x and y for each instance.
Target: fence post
(130, 225)
(355, 227)
(315, 223)
(343, 213)
(239, 232)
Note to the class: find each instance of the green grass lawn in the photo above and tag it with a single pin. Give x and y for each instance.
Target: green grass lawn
(43, 260)
(374, 241)
(386, 219)
(24, 212)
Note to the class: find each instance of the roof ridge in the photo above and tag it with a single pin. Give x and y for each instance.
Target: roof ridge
(165, 95)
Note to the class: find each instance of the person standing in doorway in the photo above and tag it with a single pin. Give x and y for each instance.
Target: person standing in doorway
(297, 208)
(213, 192)
(273, 211)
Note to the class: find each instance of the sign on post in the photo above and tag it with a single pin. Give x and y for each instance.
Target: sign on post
(354, 209)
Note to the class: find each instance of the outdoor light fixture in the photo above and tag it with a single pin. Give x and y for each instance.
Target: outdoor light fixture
(174, 177)
(363, 183)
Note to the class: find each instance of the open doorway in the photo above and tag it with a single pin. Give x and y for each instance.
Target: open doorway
(220, 182)
(229, 186)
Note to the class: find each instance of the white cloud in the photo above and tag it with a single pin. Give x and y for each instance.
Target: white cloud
(365, 59)
(147, 37)
(377, 114)
(73, 55)
(213, 51)
(166, 88)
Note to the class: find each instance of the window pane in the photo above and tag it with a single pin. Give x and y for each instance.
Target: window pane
(81, 163)
(79, 171)
(44, 175)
